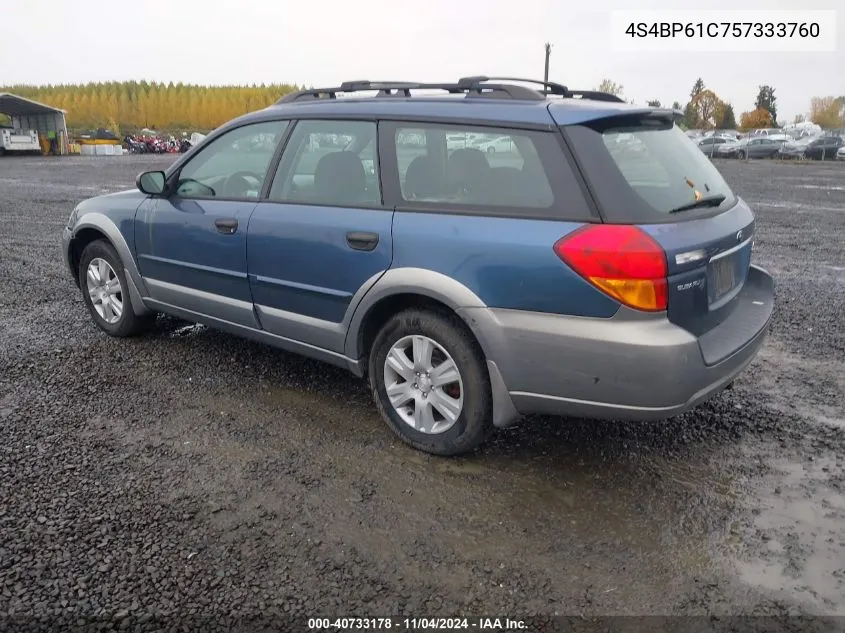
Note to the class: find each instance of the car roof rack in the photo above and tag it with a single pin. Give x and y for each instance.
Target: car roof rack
(596, 95)
(548, 86)
(472, 87)
(383, 88)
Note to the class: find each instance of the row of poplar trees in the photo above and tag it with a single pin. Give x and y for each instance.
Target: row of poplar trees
(129, 106)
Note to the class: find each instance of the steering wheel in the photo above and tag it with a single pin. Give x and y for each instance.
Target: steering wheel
(238, 184)
(184, 181)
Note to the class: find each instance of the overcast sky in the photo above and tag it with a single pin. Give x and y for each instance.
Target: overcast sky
(322, 42)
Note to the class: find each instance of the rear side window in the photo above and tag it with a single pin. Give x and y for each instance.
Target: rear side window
(484, 170)
(644, 169)
(329, 163)
(479, 168)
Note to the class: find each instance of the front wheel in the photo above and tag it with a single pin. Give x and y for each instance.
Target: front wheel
(741, 155)
(105, 291)
(430, 383)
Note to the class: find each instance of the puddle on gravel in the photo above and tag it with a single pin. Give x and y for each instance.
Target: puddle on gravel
(662, 512)
(788, 379)
(799, 532)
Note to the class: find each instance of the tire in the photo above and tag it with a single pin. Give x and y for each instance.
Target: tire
(450, 341)
(741, 155)
(491, 150)
(127, 323)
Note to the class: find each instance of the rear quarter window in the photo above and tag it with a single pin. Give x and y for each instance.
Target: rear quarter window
(640, 169)
(468, 169)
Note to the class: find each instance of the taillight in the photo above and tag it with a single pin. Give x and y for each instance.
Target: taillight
(620, 260)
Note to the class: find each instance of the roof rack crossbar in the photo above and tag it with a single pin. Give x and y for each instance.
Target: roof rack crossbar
(383, 88)
(311, 93)
(596, 95)
(514, 92)
(550, 86)
(403, 88)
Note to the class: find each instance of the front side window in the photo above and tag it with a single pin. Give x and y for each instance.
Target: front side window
(329, 163)
(469, 166)
(234, 165)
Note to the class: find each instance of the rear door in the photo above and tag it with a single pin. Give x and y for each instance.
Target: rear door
(323, 236)
(679, 197)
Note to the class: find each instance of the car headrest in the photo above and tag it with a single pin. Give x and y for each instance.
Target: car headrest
(339, 177)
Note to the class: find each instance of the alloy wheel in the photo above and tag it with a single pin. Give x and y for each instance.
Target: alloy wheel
(104, 290)
(423, 384)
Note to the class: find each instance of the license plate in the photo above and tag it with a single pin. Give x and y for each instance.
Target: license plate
(723, 276)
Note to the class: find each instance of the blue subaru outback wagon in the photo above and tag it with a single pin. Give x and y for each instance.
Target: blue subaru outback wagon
(480, 250)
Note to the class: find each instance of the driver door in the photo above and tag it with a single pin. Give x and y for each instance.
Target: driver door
(191, 245)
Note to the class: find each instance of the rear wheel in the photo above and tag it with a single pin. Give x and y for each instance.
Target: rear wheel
(105, 291)
(741, 155)
(430, 383)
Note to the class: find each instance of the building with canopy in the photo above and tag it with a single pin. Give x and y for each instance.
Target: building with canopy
(27, 116)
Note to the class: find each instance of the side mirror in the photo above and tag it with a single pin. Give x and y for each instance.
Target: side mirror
(151, 182)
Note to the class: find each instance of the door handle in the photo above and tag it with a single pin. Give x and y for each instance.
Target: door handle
(362, 240)
(227, 226)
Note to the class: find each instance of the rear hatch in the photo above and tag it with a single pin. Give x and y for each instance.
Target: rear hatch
(642, 170)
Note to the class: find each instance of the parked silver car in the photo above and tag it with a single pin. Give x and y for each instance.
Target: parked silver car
(795, 149)
(708, 144)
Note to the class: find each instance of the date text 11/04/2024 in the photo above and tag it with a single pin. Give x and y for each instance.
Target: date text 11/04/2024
(724, 29)
(416, 624)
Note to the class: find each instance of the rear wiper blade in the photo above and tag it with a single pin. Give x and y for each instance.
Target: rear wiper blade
(708, 201)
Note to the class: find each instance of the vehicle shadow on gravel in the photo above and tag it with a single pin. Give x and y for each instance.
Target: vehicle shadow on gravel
(721, 421)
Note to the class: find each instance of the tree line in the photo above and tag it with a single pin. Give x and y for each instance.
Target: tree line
(706, 110)
(129, 106)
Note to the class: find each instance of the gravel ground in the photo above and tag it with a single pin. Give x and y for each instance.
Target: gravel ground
(187, 476)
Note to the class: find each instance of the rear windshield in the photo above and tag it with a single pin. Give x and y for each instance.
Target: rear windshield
(645, 169)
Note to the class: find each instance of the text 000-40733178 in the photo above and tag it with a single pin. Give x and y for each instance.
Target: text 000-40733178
(416, 623)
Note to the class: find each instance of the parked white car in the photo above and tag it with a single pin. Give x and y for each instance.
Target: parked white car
(501, 144)
(18, 141)
(772, 133)
(840, 153)
(456, 141)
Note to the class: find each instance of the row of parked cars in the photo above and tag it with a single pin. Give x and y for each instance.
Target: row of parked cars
(828, 145)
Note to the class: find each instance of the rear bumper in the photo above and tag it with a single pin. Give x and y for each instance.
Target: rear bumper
(631, 366)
